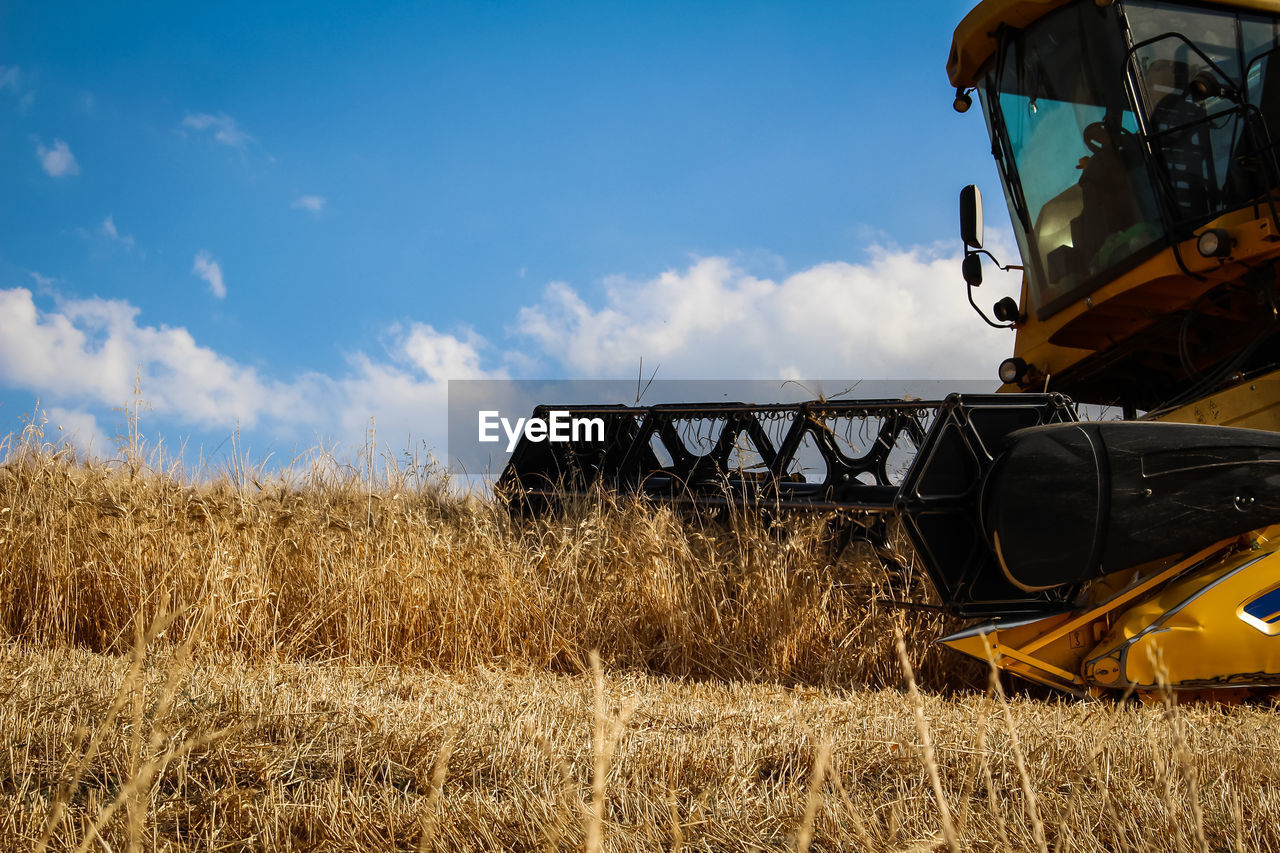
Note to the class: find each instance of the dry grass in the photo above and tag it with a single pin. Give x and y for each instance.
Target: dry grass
(343, 661)
(331, 562)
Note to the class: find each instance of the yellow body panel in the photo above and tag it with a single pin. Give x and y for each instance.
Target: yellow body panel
(1191, 624)
(1052, 650)
(1252, 404)
(1192, 633)
(974, 40)
(1057, 664)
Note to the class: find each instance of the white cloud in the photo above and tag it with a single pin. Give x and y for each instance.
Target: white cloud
(443, 356)
(79, 428)
(108, 229)
(211, 271)
(399, 403)
(406, 398)
(57, 161)
(311, 203)
(901, 314)
(11, 79)
(90, 352)
(93, 350)
(44, 283)
(223, 126)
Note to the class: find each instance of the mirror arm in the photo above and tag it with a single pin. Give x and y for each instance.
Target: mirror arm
(999, 266)
(992, 323)
(969, 287)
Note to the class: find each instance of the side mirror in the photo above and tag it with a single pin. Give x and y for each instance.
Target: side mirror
(971, 217)
(971, 268)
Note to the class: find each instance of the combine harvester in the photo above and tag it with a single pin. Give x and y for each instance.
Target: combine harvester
(1134, 142)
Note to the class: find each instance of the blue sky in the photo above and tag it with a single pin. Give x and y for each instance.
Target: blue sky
(301, 217)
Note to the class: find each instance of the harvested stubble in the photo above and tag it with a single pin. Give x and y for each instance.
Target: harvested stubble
(345, 664)
(339, 757)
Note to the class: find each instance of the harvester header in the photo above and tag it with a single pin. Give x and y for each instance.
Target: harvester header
(1136, 143)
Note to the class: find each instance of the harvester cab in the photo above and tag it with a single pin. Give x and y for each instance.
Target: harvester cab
(1136, 147)
(1134, 144)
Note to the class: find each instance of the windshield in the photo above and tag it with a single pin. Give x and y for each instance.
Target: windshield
(1209, 85)
(1075, 174)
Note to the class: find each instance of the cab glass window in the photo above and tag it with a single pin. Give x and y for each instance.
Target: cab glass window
(1210, 95)
(1075, 173)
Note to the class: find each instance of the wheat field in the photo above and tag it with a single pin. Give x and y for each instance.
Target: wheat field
(353, 657)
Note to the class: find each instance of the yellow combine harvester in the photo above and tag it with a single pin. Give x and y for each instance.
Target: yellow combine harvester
(1136, 144)
(1136, 147)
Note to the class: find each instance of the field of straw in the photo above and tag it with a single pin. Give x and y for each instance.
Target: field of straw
(349, 657)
